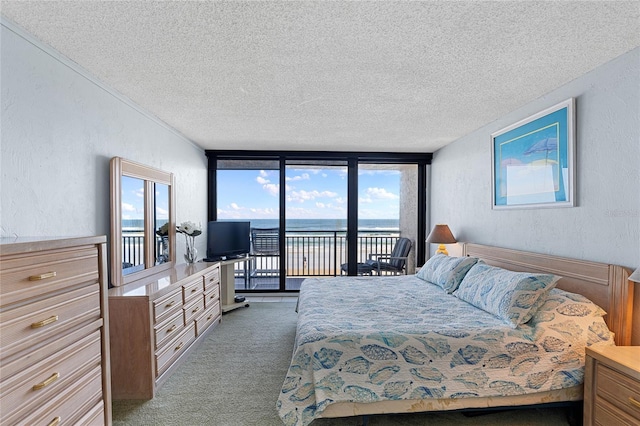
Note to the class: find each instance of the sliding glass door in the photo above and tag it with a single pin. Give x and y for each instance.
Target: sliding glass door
(387, 210)
(249, 191)
(316, 220)
(318, 214)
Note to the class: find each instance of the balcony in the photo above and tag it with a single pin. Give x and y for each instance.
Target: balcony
(309, 253)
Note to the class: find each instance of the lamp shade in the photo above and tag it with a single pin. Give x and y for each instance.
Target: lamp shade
(635, 277)
(441, 234)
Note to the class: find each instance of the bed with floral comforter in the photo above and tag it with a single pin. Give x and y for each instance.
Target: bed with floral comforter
(388, 338)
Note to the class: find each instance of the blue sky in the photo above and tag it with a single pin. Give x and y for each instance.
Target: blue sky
(312, 193)
(133, 199)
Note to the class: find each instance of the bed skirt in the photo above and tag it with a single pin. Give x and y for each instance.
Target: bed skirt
(348, 409)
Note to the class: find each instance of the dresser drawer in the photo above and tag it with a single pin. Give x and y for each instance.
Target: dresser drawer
(211, 279)
(606, 414)
(70, 405)
(194, 310)
(169, 329)
(24, 361)
(43, 320)
(165, 306)
(191, 290)
(52, 375)
(210, 315)
(32, 275)
(618, 389)
(93, 417)
(174, 349)
(212, 297)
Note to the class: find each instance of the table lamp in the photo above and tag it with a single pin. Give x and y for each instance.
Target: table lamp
(441, 234)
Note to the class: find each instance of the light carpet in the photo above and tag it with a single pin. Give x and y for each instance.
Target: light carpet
(234, 377)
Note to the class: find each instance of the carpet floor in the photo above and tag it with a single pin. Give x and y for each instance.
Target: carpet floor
(234, 377)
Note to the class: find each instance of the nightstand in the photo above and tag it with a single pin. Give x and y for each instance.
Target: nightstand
(612, 386)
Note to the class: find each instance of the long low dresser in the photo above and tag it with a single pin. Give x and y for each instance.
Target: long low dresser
(155, 322)
(54, 348)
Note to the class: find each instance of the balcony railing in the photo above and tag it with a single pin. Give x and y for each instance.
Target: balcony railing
(318, 253)
(309, 253)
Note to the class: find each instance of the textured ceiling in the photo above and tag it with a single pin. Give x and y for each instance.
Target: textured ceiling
(344, 76)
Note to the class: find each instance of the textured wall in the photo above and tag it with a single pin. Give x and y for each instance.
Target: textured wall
(605, 225)
(59, 131)
(409, 209)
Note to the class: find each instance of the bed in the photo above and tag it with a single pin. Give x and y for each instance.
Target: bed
(373, 345)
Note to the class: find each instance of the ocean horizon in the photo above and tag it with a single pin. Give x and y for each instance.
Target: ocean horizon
(297, 224)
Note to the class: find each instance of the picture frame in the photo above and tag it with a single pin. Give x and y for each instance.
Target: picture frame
(533, 160)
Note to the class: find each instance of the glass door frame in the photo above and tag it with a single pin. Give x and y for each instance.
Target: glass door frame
(353, 159)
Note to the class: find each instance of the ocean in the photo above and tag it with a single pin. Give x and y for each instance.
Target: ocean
(300, 224)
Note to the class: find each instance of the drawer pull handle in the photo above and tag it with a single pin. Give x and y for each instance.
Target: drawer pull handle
(44, 322)
(170, 304)
(195, 310)
(47, 382)
(179, 346)
(193, 290)
(634, 402)
(173, 327)
(209, 317)
(55, 422)
(42, 276)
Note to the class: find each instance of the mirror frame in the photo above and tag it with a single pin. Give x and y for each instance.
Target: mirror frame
(121, 167)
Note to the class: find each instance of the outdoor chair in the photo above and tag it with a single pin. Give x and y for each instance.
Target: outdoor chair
(396, 262)
(265, 248)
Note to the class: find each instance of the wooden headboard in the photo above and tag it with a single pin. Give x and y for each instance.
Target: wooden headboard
(608, 286)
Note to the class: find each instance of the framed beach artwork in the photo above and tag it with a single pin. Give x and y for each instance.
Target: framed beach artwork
(534, 160)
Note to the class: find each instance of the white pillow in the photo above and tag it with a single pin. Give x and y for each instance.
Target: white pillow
(508, 295)
(445, 271)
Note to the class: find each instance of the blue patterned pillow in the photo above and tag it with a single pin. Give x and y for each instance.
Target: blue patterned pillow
(445, 271)
(508, 295)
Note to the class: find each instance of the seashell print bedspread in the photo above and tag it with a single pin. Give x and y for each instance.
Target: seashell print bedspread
(384, 338)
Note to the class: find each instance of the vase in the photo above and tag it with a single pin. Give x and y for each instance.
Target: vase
(191, 254)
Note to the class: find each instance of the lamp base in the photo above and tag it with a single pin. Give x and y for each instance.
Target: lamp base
(442, 249)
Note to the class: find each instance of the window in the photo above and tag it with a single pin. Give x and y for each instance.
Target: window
(320, 203)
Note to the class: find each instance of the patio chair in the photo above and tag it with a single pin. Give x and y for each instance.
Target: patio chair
(265, 248)
(396, 262)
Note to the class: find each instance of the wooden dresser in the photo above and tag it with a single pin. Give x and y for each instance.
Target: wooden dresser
(612, 386)
(155, 322)
(54, 348)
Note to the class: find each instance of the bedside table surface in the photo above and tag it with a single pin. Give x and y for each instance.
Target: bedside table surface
(624, 358)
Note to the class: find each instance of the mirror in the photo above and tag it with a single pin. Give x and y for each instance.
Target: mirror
(143, 230)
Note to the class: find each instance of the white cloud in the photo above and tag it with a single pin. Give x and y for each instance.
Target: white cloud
(272, 189)
(304, 176)
(162, 213)
(320, 205)
(302, 195)
(262, 181)
(381, 194)
(126, 207)
(263, 173)
(243, 213)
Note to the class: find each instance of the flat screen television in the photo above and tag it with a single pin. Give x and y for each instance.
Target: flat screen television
(228, 240)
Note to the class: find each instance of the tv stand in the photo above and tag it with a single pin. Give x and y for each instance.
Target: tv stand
(228, 283)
